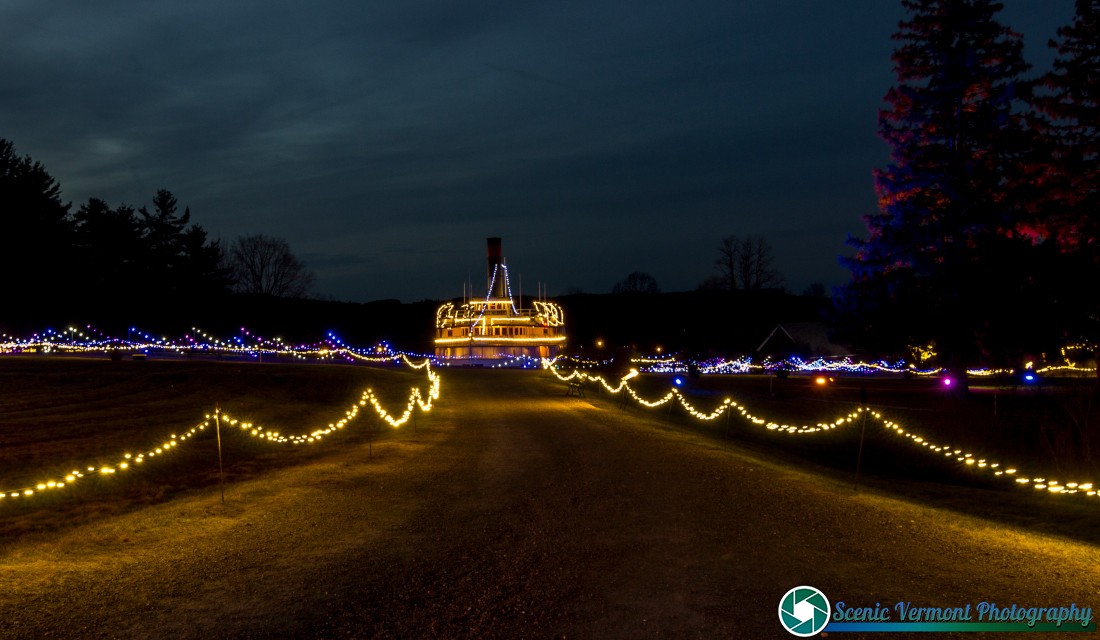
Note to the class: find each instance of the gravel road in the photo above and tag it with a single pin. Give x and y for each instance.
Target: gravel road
(513, 511)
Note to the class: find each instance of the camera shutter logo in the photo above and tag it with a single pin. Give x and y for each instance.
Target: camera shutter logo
(804, 611)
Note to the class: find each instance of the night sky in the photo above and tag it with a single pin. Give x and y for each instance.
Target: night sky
(386, 140)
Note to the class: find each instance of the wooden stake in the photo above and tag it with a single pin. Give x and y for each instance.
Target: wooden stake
(859, 456)
(218, 431)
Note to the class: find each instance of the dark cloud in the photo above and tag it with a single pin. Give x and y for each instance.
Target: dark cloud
(386, 140)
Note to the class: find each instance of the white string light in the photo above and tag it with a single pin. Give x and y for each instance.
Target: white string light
(128, 461)
(966, 458)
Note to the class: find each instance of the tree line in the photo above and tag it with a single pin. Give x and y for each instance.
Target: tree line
(107, 262)
(743, 263)
(985, 242)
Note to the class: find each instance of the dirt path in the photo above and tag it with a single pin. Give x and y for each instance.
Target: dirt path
(513, 512)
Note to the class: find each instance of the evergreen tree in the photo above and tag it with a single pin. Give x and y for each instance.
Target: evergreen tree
(1068, 122)
(37, 231)
(1065, 211)
(940, 260)
(108, 245)
(180, 267)
(161, 233)
(101, 264)
(204, 276)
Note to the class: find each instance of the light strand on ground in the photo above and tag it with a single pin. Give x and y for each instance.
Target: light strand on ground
(128, 461)
(961, 456)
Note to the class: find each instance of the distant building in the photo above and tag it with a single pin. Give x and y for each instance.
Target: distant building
(805, 339)
(494, 327)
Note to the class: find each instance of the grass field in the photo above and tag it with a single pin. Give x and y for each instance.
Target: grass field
(1037, 428)
(59, 414)
(1019, 432)
(514, 510)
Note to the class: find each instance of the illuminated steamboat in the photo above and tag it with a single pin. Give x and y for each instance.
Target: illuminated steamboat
(494, 327)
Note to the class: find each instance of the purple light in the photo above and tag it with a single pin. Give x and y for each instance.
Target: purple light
(947, 382)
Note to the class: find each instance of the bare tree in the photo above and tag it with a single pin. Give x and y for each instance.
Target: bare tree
(264, 265)
(636, 282)
(726, 263)
(815, 290)
(746, 263)
(755, 268)
(713, 283)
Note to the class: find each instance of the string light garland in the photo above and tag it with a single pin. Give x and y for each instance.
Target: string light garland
(823, 365)
(745, 364)
(498, 361)
(88, 340)
(422, 400)
(74, 340)
(965, 458)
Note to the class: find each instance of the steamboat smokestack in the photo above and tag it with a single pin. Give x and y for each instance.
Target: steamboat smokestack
(497, 289)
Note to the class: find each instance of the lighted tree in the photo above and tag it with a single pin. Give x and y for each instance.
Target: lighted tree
(940, 260)
(1057, 188)
(1068, 123)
